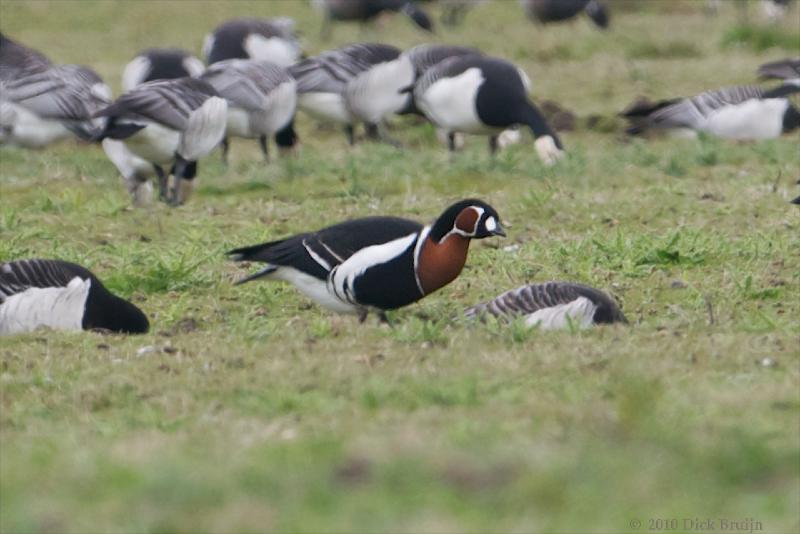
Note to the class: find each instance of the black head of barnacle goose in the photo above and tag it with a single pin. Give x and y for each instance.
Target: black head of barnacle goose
(168, 122)
(375, 263)
(160, 64)
(17, 59)
(552, 306)
(547, 11)
(366, 10)
(62, 296)
(483, 95)
(271, 40)
(262, 98)
(740, 112)
(355, 83)
(42, 106)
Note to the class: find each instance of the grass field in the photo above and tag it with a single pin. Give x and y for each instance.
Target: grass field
(248, 409)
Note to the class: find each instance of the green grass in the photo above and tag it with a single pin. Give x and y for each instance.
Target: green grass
(248, 409)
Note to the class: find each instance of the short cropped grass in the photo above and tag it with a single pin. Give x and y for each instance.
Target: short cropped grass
(249, 409)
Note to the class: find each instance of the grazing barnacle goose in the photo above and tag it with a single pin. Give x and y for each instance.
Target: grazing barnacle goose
(375, 263)
(356, 83)
(483, 96)
(366, 10)
(160, 64)
(149, 65)
(17, 59)
(271, 40)
(741, 112)
(42, 106)
(546, 11)
(784, 69)
(168, 122)
(552, 306)
(262, 98)
(62, 296)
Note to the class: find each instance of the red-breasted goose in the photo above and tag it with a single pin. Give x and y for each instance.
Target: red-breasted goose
(375, 263)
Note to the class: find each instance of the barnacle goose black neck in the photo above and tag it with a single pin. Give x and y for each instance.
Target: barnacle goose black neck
(366, 10)
(375, 263)
(552, 306)
(546, 11)
(62, 296)
(42, 106)
(356, 83)
(483, 96)
(17, 59)
(271, 40)
(740, 112)
(169, 122)
(262, 98)
(160, 64)
(148, 65)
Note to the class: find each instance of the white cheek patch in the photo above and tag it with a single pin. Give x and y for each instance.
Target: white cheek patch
(490, 224)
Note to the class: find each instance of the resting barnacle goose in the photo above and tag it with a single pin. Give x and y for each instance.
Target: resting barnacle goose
(552, 306)
(375, 263)
(168, 122)
(62, 296)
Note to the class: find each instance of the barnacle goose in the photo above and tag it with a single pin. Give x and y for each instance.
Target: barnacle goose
(787, 70)
(356, 83)
(42, 106)
(62, 296)
(160, 64)
(17, 59)
(546, 11)
(168, 122)
(375, 263)
(552, 306)
(271, 40)
(148, 65)
(740, 112)
(366, 10)
(262, 98)
(483, 96)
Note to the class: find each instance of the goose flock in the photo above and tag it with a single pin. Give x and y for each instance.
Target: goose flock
(253, 78)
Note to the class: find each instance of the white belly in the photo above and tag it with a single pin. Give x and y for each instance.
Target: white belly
(450, 103)
(154, 143)
(19, 126)
(375, 94)
(59, 308)
(313, 288)
(753, 119)
(239, 123)
(329, 107)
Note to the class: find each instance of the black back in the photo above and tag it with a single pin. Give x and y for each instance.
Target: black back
(229, 37)
(165, 63)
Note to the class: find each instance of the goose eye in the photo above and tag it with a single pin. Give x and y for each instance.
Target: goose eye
(490, 224)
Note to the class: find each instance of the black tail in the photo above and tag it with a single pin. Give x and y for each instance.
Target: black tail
(254, 252)
(113, 130)
(598, 13)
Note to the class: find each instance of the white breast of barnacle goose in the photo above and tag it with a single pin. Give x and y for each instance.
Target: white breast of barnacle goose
(62, 296)
(552, 306)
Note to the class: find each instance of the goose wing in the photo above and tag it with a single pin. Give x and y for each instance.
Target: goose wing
(64, 92)
(785, 69)
(18, 276)
(690, 112)
(169, 102)
(245, 83)
(425, 56)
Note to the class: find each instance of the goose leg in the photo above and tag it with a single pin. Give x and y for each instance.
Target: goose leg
(262, 141)
(225, 147)
(162, 183)
(492, 145)
(183, 171)
(362, 315)
(451, 145)
(350, 132)
(382, 134)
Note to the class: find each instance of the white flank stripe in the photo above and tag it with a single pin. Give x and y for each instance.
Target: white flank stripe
(423, 235)
(313, 288)
(316, 257)
(344, 275)
(580, 312)
(59, 308)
